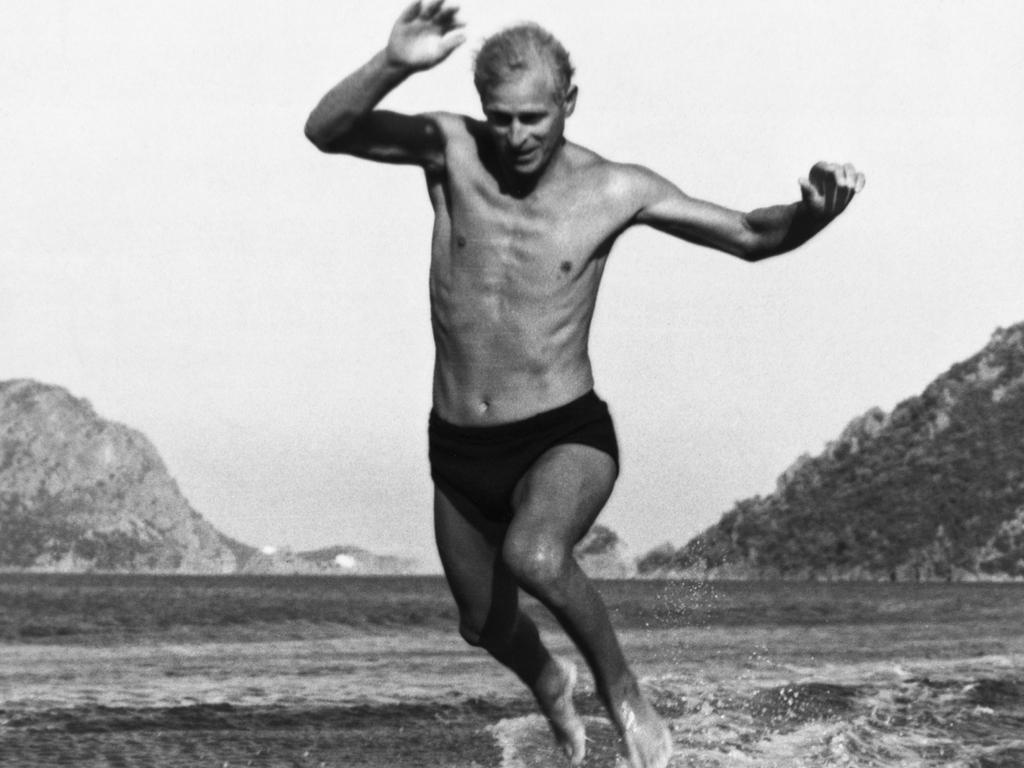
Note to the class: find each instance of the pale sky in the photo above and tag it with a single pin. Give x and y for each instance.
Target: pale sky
(173, 250)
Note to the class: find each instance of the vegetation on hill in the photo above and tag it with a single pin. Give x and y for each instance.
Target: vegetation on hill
(603, 555)
(933, 490)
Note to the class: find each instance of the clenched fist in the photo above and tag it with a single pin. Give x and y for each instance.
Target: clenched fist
(829, 188)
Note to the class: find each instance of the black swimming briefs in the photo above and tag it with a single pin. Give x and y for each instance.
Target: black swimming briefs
(482, 465)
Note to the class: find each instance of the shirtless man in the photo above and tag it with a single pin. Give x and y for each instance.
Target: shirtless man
(522, 451)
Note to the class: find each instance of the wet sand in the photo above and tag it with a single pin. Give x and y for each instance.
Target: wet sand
(396, 736)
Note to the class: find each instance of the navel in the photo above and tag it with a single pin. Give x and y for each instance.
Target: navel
(566, 267)
(460, 241)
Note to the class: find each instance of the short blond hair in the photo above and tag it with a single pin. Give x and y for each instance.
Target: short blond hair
(512, 50)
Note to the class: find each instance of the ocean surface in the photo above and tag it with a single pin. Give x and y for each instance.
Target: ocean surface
(358, 672)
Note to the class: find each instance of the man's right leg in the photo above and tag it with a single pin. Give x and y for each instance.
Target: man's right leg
(487, 597)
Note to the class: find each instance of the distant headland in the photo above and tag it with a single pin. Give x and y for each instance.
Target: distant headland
(932, 491)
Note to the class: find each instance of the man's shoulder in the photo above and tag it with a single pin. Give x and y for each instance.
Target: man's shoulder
(617, 179)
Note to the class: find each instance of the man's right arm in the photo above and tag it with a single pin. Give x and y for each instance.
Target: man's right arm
(345, 120)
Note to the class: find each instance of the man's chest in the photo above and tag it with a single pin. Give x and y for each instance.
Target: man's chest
(556, 230)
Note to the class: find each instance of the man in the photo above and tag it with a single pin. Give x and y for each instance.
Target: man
(523, 453)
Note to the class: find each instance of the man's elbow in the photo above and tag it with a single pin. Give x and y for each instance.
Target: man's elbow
(755, 243)
(317, 136)
(752, 247)
(755, 253)
(333, 137)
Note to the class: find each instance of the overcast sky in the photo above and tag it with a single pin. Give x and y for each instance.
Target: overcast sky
(175, 252)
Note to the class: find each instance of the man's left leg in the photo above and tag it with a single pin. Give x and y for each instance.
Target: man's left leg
(489, 615)
(555, 504)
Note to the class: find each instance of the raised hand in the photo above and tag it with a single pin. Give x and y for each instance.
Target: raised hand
(829, 188)
(425, 35)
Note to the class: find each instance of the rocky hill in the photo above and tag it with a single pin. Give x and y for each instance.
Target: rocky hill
(932, 491)
(80, 493)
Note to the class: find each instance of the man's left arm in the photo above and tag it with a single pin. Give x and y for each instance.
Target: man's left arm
(752, 236)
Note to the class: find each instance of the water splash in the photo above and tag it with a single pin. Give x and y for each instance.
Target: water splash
(926, 715)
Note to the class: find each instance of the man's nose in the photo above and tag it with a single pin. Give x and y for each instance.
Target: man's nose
(517, 133)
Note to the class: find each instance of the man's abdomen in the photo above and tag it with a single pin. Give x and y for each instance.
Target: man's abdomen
(494, 374)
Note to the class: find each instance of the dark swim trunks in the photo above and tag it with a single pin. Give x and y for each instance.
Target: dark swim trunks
(482, 465)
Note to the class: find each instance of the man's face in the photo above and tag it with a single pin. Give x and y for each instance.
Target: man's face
(527, 117)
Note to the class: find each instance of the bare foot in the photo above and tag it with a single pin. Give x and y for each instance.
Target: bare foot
(554, 694)
(647, 740)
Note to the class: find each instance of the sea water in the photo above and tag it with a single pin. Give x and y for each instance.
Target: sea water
(919, 714)
(746, 675)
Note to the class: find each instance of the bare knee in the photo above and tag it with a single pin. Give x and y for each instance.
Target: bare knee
(491, 631)
(471, 632)
(475, 620)
(540, 567)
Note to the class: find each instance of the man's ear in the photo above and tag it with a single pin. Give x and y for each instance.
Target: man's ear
(570, 100)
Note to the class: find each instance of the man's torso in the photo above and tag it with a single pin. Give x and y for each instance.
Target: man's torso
(514, 279)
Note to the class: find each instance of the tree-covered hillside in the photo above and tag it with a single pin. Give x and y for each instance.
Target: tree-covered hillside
(933, 490)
